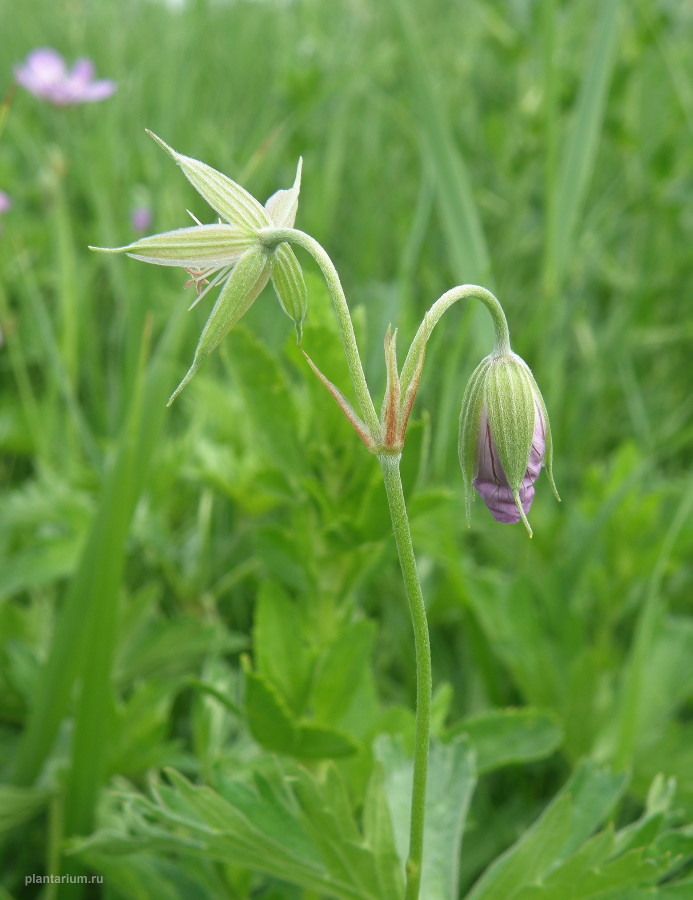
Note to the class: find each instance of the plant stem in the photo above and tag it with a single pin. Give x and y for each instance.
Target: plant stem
(405, 550)
(441, 306)
(276, 236)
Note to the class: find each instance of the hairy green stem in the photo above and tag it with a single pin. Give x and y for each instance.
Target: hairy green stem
(442, 304)
(405, 550)
(274, 236)
(389, 464)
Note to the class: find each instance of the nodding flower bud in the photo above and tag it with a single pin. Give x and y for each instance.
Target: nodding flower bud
(504, 437)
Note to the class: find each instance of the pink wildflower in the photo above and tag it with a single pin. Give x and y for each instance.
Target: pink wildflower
(141, 218)
(45, 74)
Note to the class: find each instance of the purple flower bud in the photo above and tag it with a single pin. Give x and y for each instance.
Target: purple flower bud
(505, 437)
(45, 74)
(491, 481)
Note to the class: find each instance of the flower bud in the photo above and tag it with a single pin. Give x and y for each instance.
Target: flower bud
(504, 437)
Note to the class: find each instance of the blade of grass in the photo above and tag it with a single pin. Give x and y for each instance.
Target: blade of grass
(644, 638)
(20, 370)
(458, 209)
(60, 382)
(550, 105)
(580, 149)
(97, 580)
(94, 706)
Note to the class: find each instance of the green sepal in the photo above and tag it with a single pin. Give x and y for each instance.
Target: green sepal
(198, 246)
(511, 410)
(548, 441)
(290, 286)
(283, 205)
(227, 198)
(247, 279)
(470, 420)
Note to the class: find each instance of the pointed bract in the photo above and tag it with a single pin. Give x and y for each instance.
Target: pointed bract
(392, 437)
(357, 423)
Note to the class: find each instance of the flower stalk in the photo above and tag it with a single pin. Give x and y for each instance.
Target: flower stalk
(389, 464)
(273, 236)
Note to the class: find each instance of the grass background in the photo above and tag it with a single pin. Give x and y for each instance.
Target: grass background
(539, 148)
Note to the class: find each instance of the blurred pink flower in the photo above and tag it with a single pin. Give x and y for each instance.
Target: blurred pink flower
(141, 218)
(45, 74)
(5, 202)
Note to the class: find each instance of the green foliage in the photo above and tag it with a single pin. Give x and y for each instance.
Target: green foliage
(286, 823)
(451, 783)
(546, 145)
(500, 737)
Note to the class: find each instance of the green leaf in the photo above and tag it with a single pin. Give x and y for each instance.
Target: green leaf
(529, 859)
(576, 812)
(159, 647)
(147, 876)
(271, 723)
(501, 737)
(339, 672)
(288, 824)
(315, 742)
(588, 874)
(270, 405)
(683, 890)
(269, 719)
(39, 566)
(83, 643)
(451, 782)
(19, 805)
(595, 791)
(281, 654)
(378, 831)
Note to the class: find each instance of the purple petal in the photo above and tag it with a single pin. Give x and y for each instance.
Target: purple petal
(491, 481)
(5, 202)
(76, 91)
(44, 63)
(83, 70)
